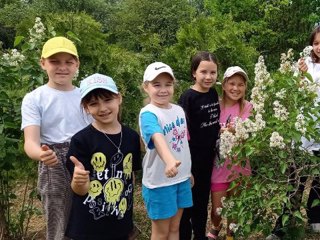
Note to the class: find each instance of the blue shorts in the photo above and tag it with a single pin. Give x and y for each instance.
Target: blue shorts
(164, 202)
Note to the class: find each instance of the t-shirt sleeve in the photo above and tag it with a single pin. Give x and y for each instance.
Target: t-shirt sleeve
(30, 112)
(149, 126)
(137, 161)
(78, 150)
(247, 111)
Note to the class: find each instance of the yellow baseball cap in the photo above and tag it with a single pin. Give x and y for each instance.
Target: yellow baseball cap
(57, 45)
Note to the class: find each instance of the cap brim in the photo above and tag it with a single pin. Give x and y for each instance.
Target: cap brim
(153, 76)
(96, 87)
(58, 50)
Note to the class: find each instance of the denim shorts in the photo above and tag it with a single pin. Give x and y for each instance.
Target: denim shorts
(164, 202)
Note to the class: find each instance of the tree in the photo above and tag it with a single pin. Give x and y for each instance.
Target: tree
(148, 26)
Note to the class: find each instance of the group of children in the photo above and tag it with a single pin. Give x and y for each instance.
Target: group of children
(87, 157)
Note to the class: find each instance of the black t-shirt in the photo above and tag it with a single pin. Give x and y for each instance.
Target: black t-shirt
(104, 213)
(202, 113)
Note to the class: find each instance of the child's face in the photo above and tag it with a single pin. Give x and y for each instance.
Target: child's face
(61, 68)
(316, 44)
(205, 76)
(234, 88)
(160, 90)
(104, 110)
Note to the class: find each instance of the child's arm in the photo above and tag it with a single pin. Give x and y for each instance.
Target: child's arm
(34, 150)
(80, 183)
(165, 154)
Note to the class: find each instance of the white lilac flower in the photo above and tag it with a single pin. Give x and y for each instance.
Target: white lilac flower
(37, 32)
(223, 201)
(233, 227)
(306, 52)
(281, 94)
(13, 58)
(227, 142)
(286, 61)
(219, 211)
(241, 132)
(280, 111)
(276, 141)
(300, 124)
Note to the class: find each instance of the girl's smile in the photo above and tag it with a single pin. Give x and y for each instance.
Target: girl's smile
(160, 90)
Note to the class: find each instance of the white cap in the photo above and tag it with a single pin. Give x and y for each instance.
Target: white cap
(233, 70)
(154, 69)
(97, 81)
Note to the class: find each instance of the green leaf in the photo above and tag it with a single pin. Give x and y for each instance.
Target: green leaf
(315, 202)
(297, 214)
(18, 40)
(285, 219)
(283, 167)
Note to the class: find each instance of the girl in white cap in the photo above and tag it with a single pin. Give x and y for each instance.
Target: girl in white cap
(232, 104)
(166, 165)
(101, 160)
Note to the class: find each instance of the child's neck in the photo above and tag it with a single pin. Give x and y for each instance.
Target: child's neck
(65, 87)
(197, 88)
(111, 128)
(229, 102)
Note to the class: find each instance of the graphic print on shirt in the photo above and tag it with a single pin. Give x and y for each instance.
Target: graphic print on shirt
(213, 114)
(178, 131)
(110, 191)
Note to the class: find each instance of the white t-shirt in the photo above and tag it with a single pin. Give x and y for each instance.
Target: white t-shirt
(57, 113)
(172, 124)
(314, 70)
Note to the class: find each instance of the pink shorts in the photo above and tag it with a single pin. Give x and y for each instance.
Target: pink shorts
(218, 187)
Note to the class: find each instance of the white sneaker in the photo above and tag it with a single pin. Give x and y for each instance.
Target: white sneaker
(315, 227)
(272, 237)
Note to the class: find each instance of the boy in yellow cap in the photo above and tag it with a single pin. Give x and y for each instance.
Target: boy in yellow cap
(51, 115)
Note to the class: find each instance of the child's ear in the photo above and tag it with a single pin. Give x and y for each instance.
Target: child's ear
(120, 99)
(86, 110)
(144, 87)
(42, 63)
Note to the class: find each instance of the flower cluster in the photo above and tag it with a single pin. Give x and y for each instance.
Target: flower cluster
(286, 62)
(37, 32)
(280, 111)
(227, 142)
(300, 124)
(281, 94)
(13, 58)
(306, 52)
(276, 141)
(233, 227)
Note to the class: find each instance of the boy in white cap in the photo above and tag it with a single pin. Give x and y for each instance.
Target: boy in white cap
(166, 165)
(50, 117)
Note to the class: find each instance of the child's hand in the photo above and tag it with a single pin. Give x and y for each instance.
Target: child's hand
(229, 128)
(302, 65)
(172, 169)
(48, 156)
(192, 180)
(80, 175)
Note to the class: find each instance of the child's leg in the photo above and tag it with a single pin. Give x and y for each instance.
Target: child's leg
(167, 229)
(160, 229)
(174, 225)
(56, 194)
(216, 203)
(235, 191)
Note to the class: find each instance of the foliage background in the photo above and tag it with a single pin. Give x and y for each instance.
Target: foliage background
(120, 38)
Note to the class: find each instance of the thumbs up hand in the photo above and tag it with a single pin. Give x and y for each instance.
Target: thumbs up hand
(80, 175)
(172, 168)
(48, 156)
